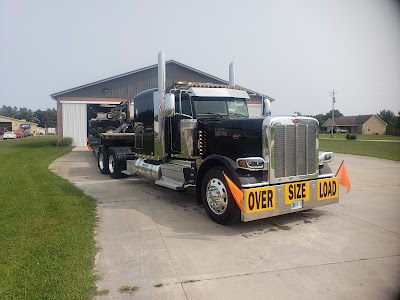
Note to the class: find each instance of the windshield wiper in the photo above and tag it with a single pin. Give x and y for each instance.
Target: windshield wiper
(213, 114)
(237, 115)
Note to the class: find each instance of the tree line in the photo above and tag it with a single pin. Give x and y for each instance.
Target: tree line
(392, 121)
(44, 118)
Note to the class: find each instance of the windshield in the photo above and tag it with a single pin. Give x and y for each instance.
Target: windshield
(232, 107)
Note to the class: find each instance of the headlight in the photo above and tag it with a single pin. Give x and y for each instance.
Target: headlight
(251, 163)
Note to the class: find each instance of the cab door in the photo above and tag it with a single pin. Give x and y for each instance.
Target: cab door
(183, 108)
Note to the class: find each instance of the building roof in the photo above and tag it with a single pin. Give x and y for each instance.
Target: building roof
(350, 120)
(169, 62)
(13, 119)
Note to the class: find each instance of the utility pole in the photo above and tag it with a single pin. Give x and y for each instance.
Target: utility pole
(333, 111)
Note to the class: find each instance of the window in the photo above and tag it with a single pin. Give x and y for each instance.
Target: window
(237, 107)
(369, 128)
(220, 106)
(204, 107)
(186, 107)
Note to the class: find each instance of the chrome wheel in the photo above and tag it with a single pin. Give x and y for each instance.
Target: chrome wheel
(111, 164)
(217, 196)
(101, 161)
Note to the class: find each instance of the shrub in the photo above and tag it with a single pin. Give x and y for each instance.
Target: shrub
(351, 136)
(65, 142)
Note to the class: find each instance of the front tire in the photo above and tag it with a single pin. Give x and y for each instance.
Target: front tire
(217, 199)
(102, 161)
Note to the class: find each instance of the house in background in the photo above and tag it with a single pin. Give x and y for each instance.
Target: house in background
(366, 124)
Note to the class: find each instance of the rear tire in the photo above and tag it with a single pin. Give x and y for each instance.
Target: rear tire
(117, 157)
(217, 199)
(102, 161)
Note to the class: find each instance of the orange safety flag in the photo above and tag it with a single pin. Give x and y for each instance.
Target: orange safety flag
(236, 192)
(343, 177)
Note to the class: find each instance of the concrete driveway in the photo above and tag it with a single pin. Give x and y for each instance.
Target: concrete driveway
(163, 243)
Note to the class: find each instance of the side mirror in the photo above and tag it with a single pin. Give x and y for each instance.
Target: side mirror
(266, 107)
(169, 105)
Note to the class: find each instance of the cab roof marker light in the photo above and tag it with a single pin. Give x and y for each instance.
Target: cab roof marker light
(206, 85)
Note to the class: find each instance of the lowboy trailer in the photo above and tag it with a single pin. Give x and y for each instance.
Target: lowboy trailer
(200, 136)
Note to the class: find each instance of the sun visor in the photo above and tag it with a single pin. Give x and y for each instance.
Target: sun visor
(218, 92)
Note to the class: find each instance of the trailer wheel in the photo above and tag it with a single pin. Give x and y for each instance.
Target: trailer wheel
(102, 161)
(217, 199)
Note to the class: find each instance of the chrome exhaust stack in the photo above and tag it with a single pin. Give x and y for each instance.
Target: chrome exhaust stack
(232, 74)
(159, 137)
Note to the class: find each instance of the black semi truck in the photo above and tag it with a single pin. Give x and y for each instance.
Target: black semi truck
(200, 136)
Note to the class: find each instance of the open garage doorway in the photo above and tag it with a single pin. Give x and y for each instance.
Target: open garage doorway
(5, 126)
(98, 120)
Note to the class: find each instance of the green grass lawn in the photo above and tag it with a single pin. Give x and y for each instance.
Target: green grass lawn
(47, 245)
(361, 136)
(386, 150)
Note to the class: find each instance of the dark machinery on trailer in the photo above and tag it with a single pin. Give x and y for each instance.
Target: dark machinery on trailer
(197, 135)
(116, 120)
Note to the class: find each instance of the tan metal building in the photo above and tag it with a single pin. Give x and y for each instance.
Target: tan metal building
(11, 124)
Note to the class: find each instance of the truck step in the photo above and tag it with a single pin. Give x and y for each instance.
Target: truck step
(175, 176)
(129, 173)
(170, 185)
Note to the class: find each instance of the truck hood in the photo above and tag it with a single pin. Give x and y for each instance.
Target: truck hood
(233, 138)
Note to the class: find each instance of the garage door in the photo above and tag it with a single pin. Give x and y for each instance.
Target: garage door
(74, 119)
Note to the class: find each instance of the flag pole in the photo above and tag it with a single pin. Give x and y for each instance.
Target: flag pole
(339, 168)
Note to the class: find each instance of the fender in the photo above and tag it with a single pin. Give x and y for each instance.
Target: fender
(211, 162)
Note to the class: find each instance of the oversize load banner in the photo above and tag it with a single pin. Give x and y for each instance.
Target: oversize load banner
(264, 198)
(260, 199)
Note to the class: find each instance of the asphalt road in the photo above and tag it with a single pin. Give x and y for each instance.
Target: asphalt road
(163, 243)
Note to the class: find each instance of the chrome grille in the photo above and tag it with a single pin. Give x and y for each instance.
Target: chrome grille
(294, 150)
(312, 150)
